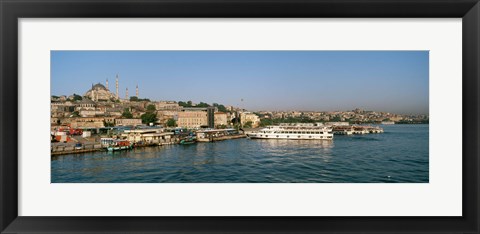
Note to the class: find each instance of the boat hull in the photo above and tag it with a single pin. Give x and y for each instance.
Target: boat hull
(117, 148)
(290, 136)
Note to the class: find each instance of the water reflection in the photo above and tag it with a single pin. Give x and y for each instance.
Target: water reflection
(296, 143)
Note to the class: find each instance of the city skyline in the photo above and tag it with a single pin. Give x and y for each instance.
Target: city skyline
(390, 81)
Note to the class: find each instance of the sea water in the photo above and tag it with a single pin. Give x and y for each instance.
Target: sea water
(399, 155)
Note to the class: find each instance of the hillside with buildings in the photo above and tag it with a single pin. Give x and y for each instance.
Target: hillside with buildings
(98, 107)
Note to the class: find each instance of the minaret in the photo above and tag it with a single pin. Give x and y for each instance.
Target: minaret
(136, 91)
(92, 93)
(126, 94)
(116, 85)
(106, 84)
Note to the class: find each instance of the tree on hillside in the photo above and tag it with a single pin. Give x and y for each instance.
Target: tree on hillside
(335, 119)
(149, 117)
(181, 103)
(220, 107)
(203, 104)
(77, 97)
(248, 124)
(171, 123)
(151, 108)
(136, 99)
(126, 114)
(266, 122)
(185, 104)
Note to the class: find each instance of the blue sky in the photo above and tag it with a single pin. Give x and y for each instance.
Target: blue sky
(392, 81)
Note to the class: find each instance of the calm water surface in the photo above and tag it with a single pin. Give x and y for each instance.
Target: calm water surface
(398, 155)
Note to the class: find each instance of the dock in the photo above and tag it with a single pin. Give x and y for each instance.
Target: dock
(221, 138)
(75, 151)
(357, 130)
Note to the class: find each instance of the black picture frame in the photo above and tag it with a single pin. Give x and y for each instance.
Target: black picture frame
(11, 11)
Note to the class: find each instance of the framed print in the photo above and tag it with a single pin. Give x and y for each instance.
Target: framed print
(269, 116)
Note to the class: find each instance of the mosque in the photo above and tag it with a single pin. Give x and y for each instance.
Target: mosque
(99, 92)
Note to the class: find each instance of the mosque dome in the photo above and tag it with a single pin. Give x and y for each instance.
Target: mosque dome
(99, 92)
(99, 86)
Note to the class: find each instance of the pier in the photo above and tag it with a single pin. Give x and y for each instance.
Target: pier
(357, 130)
(221, 138)
(212, 135)
(71, 149)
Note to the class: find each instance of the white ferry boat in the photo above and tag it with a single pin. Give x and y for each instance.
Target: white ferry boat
(294, 132)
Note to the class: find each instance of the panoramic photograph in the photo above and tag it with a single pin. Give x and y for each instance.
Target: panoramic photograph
(239, 116)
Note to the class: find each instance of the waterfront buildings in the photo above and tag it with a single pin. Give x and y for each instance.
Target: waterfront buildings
(337, 123)
(221, 119)
(211, 116)
(61, 109)
(247, 117)
(164, 116)
(128, 122)
(100, 108)
(196, 117)
(147, 136)
(88, 122)
(167, 105)
(192, 119)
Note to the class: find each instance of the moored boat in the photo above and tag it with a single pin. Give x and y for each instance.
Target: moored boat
(294, 132)
(188, 141)
(119, 145)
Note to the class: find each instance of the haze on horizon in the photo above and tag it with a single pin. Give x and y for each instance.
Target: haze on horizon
(388, 81)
